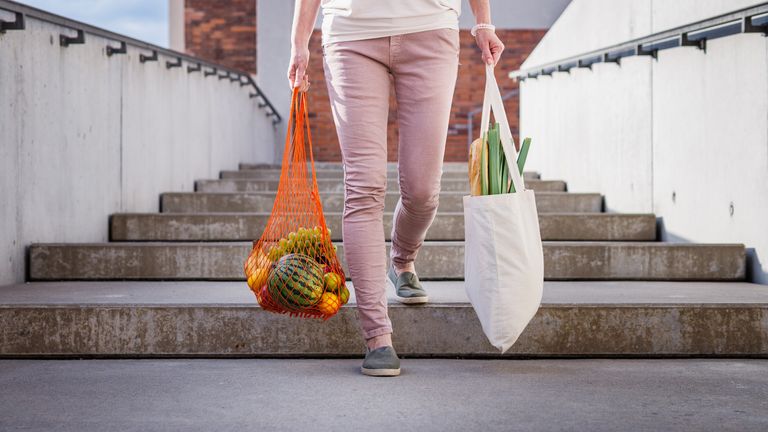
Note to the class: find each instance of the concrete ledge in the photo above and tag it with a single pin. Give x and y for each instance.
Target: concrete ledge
(588, 319)
(447, 226)
(261, 202)
(437, 260)
(337, 174)
(331, 185)
(391, 166)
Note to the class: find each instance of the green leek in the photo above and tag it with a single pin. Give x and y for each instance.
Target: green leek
(484, 166)
(493, 160)
(523, 154)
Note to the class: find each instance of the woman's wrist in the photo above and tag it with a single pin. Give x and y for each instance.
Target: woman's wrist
(300, 38)
(482, 26)
(300, 44)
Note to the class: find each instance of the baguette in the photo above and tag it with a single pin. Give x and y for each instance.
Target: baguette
(475, 169)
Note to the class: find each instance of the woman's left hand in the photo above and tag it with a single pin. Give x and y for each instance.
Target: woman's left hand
(490, 45)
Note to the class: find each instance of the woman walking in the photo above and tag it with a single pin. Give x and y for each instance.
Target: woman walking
(368, 46)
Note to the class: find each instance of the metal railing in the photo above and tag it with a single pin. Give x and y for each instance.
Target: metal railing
(17, 14)
(749, 20)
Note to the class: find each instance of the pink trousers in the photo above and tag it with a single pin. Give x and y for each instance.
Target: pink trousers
(422, 67)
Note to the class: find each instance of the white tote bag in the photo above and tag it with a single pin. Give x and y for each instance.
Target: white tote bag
(503, 256)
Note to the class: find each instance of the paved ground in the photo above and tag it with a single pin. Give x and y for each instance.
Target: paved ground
(439, 395)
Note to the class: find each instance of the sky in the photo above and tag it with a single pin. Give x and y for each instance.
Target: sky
(145, 20)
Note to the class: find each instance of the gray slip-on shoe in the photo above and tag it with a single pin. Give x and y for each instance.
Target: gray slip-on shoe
(407, 287)
(381, 362)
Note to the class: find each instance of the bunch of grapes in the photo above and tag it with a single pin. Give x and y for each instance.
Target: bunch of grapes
(307, 241)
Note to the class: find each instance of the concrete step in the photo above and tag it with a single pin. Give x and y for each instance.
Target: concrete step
(577, 319)
(327, 185)
(447, 226)
(337, 174)
(391, 166)
(259, 202)
(437, 260)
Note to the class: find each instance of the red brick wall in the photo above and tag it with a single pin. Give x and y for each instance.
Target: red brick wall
(222, 31)
(468, 95)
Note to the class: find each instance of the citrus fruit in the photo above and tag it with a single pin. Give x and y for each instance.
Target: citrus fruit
(329, 304)
(332, 281)
(258, 278)
(344, 295)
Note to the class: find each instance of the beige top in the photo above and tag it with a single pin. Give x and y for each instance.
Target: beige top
(346, 20)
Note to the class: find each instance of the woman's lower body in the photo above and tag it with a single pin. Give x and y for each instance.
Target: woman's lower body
(422, 67)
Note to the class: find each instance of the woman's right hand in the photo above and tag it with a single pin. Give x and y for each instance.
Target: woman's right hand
(297, 71)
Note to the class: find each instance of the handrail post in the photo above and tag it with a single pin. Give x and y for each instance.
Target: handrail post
(197, 68)
(171, 65)
(747, 26)
(145, 58)
(686, 42)
(112, 50)
(66, 41)
(16, 24)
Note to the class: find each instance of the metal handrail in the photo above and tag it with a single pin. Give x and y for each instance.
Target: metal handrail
(22, 12)
(472, 113)
(748, 20)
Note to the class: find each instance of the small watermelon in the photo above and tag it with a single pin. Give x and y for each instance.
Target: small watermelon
(296, 282)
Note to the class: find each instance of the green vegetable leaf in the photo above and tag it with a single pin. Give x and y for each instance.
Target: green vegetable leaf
(494, 161)
(523, 154)
(484, 166)
(505, 175)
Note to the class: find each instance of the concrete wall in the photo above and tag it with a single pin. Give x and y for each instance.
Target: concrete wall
(692, 126)
(83, 135)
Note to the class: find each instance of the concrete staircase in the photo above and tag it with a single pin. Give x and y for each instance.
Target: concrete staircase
(171, 284)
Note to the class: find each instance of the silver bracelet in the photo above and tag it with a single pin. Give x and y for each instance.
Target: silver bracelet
(477, 27)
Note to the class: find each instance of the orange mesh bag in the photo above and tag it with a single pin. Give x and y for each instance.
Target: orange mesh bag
(293, 267)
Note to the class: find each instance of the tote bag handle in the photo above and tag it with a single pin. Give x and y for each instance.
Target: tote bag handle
(492, 101)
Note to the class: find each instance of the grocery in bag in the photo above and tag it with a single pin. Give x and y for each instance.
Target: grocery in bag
(293, 268)
(503, 255)
(488, 166)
